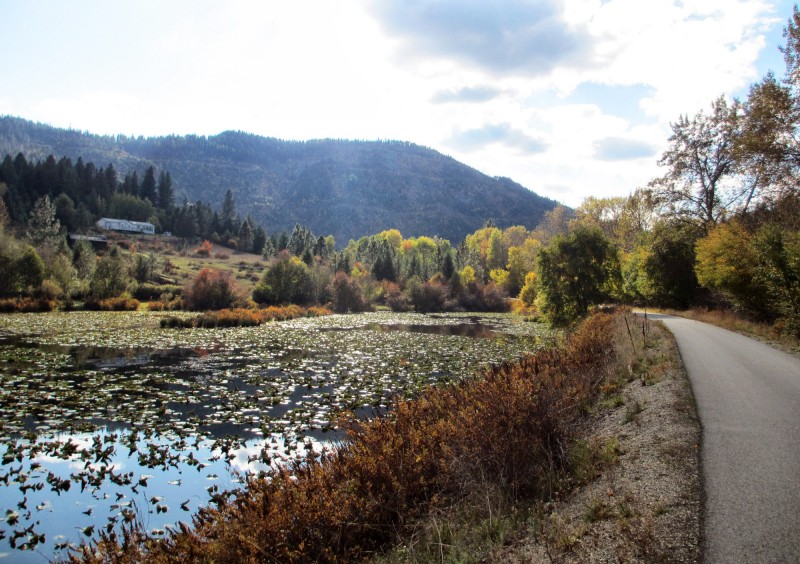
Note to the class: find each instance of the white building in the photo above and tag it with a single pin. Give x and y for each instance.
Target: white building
(125, 225)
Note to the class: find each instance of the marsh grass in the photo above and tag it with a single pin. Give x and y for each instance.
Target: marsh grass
(243, 317)
(27, 305)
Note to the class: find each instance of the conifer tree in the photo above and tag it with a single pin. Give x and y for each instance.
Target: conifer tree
(245, 236)
(148, 188)
(227, 215)
(166, 194)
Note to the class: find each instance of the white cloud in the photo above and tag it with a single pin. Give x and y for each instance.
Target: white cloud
(514, 36)
(468, 94)
(689, 52)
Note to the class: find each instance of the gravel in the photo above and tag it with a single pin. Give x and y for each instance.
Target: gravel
(646, 507)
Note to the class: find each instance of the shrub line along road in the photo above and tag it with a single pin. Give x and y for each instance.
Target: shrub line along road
(748, 400)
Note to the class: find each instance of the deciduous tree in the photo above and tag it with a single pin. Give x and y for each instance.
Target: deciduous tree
(287, 281)
(575, 272)
(701, 182)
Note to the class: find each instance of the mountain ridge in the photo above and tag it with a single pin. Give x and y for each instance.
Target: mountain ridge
(345, 188)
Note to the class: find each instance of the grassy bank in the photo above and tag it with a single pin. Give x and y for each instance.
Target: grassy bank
(494, 443)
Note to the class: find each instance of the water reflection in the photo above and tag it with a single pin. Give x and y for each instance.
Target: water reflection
(178, 421)
(101, 480)
(474, 330)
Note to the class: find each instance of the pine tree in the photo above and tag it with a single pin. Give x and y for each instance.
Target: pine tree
(448, 267)
(245, 236)
(148, 189)
(302, 239)
(269, 249)
(259, 240)
(131, 184)
(227, 215)
(111, 178)
(166, 194)
(43, 227)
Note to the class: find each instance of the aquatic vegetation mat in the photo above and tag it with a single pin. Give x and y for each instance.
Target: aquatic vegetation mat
(106, 417)
(512, 426)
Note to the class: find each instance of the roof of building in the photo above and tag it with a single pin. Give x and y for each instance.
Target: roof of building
(127, 220)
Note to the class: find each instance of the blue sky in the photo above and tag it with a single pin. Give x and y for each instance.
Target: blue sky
(571, 98)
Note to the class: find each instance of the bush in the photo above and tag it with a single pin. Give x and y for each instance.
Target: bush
(347, 295)
(394, 297)
(27, 305)
(148, 292)
(242, 317)
(212, 289)
(483, 297)
(287, 281)
(49, 290)
(427, 296)
(30, 270)
(121, 303)
(204, 250)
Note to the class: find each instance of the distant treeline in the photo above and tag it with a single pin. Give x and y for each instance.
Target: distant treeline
(82, 193)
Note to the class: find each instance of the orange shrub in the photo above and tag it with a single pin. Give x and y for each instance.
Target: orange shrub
(204, 250)
(13, 305)
(212, 289)
(122, 303)
(242, 317)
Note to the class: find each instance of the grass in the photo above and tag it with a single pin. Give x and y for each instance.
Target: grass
(588, 458)
(632, 411)
(182, 265)
(246, 269)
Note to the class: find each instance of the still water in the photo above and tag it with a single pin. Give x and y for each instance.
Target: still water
(107, 419)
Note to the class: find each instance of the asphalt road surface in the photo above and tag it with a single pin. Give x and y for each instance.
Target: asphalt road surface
(748, 400)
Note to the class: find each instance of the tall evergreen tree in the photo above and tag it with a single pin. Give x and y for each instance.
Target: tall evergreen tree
(148, 188)
(166, 194)
(245, 236)
(131, 183)
(259, 240)
(44, 228)
(227, 214)
(302, 239)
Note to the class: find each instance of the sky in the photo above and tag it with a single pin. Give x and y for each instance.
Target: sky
(570, 98)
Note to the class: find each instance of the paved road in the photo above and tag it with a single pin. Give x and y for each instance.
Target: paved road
(748, 400)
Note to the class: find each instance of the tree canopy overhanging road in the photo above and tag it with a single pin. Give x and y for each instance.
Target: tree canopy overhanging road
(748, 401)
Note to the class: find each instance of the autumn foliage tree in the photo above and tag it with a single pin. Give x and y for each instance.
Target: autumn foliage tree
(288, 280)
(212, 289)
(700, 183)
(347, 295)
(575, 272)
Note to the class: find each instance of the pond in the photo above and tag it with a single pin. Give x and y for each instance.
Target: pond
(106, 417)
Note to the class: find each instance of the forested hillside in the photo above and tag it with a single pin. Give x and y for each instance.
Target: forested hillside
(344, 188)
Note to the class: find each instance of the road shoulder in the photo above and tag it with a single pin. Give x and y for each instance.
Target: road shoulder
(646, 505)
